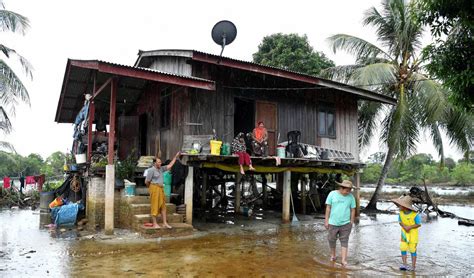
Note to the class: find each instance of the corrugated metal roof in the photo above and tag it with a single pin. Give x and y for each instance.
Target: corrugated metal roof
(192, 54)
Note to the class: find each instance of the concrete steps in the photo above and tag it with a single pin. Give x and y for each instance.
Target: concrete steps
(140, 219)
(145, 208)
(179, 229)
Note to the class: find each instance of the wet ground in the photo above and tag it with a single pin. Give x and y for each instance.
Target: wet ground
(245, 248)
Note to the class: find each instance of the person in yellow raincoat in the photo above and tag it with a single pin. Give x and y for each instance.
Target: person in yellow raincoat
(410, 221)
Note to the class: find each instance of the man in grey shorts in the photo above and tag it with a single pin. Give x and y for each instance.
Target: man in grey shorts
(339, 218)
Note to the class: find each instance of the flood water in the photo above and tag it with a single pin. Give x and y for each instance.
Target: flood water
(246, 248)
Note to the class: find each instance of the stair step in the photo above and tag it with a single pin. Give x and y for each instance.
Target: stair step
(137, 199)
(140, 219)
(179, 229)
(145, 208)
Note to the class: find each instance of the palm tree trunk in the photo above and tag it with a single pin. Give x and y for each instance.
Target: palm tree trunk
(388, 162)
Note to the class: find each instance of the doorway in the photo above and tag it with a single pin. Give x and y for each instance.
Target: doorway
(244, 115)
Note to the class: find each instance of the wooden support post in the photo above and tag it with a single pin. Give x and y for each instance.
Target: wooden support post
(264, 190)
(110, 168)
(188, 195)
(109, 199)
(204, 189)
(238, 178)
(89, 130)
(303, 194)
(357, 192)
(286, 196)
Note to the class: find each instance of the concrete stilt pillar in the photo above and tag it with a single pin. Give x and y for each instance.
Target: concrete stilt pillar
(188, 195)
(356, 183)
(238, 178)
(204, 190)
(109, 199)
(286, 196)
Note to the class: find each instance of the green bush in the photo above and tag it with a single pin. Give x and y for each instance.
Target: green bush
(463, 173)
(50, 186)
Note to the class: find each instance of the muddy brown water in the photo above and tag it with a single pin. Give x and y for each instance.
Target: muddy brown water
(246, 248)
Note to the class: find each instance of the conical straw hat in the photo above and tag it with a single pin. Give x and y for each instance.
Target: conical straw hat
(404, 201)
(346, 183)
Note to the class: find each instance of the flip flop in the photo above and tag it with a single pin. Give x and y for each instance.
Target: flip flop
(333, 259)
(148, 224)
(403, 267)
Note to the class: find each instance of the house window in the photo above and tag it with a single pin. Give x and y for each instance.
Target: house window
(165, 108)
(327, 121)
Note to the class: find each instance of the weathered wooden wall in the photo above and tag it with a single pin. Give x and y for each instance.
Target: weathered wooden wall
(198, 112)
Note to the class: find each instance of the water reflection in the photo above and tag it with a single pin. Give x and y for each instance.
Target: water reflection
(243, 249)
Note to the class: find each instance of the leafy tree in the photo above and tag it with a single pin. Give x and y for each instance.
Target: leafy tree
(53, 165)
(450, 163)
(371, 173)
(291, 52)
(396, 70)
(463, 173)
(413, 169)
(11, 88)
(451, 55)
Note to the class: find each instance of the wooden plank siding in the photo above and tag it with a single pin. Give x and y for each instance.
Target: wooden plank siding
(198, 112)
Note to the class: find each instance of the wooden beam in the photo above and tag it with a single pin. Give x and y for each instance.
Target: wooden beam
(357, 192)
(238, 178)
(98, 91)
(188, 195)
(286, 197)
(204, 189)
(113, 105)
(89, 129)
(303, 194)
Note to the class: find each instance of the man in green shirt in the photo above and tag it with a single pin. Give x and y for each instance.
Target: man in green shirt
(339, 218)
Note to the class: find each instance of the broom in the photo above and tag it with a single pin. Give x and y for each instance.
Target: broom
(294, 220)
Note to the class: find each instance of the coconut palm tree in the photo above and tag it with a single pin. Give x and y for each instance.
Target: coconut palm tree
(395, 69)
(12, 89)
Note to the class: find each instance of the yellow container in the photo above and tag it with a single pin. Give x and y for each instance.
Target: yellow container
(216, 147)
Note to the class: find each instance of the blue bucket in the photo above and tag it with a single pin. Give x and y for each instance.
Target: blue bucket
(130, 189)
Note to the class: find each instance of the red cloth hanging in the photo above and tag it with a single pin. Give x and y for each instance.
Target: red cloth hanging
(30, 180)
(6, 182)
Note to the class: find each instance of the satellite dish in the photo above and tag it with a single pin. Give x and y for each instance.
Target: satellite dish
(224, 33)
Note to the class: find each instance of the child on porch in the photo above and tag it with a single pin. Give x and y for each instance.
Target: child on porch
(410, 221)
(239, 148)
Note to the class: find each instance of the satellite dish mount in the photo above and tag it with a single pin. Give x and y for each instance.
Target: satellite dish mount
(223, 33)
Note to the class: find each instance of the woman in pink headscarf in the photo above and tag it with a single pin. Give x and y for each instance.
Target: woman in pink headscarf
(260, 137)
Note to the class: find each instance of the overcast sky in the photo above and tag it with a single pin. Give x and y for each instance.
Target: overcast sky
(114, 31)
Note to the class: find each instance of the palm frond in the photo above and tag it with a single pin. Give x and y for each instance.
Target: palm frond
(6, 146)
(367, 121)
(5, 123)
(13, 22)
(339, 73)
(25, 64)
(374, 75)
(460, 128)
(431, 97)
(435, 135)
(11, 86)
(360, 48)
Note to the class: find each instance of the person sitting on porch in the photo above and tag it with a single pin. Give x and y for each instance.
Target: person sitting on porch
(154, 182)
(239, 148)
(260, 137)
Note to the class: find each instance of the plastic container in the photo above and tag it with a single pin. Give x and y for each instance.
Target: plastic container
(46, 197)
(216, 147)
(130, 188)
(225, 149)
(281, 151)
(80, 158)
(167, 177)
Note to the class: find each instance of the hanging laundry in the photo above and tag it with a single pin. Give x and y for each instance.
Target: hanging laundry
(6, 182)
(30, 180)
